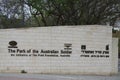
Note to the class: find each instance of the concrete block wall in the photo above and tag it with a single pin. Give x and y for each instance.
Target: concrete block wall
(58, 50)
(115, 55)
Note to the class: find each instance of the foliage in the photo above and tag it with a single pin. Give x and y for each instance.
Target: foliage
(58, 12)
(12, 14)
(75, 12)
(10, 22)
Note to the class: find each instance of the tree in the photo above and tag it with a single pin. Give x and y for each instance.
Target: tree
(59, 12)
(74, 12)
(13, 10)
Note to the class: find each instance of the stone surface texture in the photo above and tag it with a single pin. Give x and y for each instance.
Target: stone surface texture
(94, 37)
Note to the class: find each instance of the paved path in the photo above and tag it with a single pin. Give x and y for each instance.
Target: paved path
(56, 77)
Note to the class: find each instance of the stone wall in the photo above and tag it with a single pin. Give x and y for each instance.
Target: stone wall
(58, 50)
